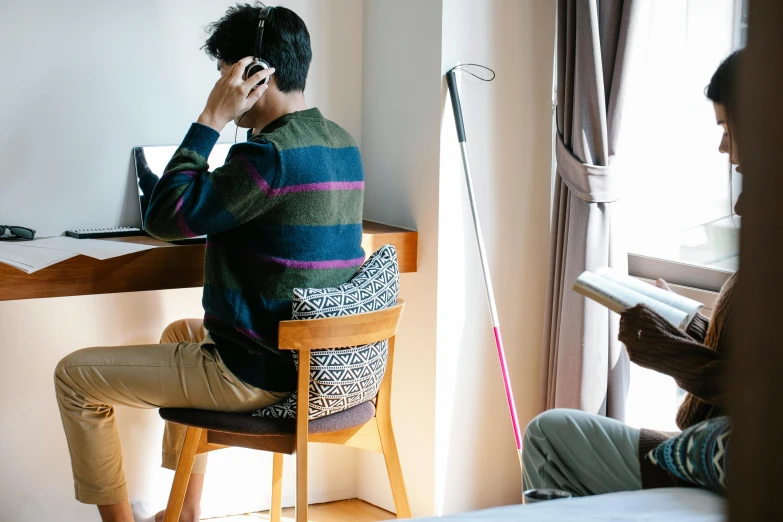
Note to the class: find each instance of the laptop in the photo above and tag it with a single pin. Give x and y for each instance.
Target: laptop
(150, 163)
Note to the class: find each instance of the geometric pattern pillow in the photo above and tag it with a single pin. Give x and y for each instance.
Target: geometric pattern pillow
(341, 378)
(698, 455)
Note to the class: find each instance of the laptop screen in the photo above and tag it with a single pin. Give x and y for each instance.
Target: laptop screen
(151, 162)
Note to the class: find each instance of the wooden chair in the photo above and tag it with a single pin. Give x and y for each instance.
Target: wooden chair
(365, 426)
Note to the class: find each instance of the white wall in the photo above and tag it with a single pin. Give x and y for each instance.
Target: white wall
(83, 83)
(508, 126)
(450, 416)
(400, 143)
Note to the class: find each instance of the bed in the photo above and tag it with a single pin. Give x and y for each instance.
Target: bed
(667, 505)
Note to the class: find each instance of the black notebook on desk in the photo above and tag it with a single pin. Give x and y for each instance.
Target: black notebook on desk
(150, 162)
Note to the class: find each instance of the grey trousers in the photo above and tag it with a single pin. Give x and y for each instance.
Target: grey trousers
(581, 453)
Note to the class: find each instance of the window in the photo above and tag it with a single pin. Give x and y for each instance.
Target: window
(680, 192)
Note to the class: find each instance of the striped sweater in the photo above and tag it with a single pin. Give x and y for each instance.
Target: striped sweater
(283, 212)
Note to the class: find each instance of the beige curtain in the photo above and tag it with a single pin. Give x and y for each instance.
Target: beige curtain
(584, 366)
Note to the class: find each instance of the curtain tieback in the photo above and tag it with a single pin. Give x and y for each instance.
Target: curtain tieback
(591, 183)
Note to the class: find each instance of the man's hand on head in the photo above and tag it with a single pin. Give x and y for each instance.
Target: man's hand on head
(233, 95)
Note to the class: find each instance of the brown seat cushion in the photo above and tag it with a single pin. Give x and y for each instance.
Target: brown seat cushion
(244, 424)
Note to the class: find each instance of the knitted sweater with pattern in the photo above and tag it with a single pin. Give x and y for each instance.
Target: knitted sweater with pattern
(696, 360)
(283, 212)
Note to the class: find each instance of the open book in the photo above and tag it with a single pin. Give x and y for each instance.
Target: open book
(619, 292)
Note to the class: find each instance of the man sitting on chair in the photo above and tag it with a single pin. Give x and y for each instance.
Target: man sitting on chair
(283, 212)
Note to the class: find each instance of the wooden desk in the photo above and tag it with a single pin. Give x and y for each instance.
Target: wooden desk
(170, 266)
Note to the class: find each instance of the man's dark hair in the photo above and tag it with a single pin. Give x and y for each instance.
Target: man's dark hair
(286, 45)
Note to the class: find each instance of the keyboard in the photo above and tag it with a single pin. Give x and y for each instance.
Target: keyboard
(97, 233)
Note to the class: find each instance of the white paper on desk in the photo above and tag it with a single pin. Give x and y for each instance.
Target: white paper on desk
(94, 248)
(31, 259)
(21, 266)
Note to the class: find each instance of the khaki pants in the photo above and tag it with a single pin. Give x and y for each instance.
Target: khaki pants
(184, 371)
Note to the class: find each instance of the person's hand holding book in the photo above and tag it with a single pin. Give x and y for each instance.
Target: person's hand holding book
(641, 328)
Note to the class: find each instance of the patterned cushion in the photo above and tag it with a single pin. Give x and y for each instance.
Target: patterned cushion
(344, 377)
(698, 455)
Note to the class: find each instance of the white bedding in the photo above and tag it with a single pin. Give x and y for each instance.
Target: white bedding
(654, 505)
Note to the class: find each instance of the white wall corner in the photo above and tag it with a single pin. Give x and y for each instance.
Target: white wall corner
(400, 149)
(509, 128)
(452, 424)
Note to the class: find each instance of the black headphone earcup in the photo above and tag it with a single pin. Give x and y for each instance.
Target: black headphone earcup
(256, 66)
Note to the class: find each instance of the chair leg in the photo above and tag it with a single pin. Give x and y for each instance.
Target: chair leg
(301, 479)
(393, 467)
(276, 512)
(302, 412)
(182, 475)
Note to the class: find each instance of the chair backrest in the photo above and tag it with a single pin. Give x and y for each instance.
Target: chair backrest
(337, 332)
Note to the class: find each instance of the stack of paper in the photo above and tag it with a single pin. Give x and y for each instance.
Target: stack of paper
(31, 259)
(31, 256)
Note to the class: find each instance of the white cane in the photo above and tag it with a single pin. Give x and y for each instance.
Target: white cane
(451, 79)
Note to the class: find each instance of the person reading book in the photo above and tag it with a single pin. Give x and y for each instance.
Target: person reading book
(283, 212)
(588, 454)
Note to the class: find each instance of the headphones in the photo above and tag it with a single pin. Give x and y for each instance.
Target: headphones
(259, 64)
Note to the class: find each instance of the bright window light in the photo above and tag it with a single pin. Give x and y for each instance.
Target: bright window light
(679, 193)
